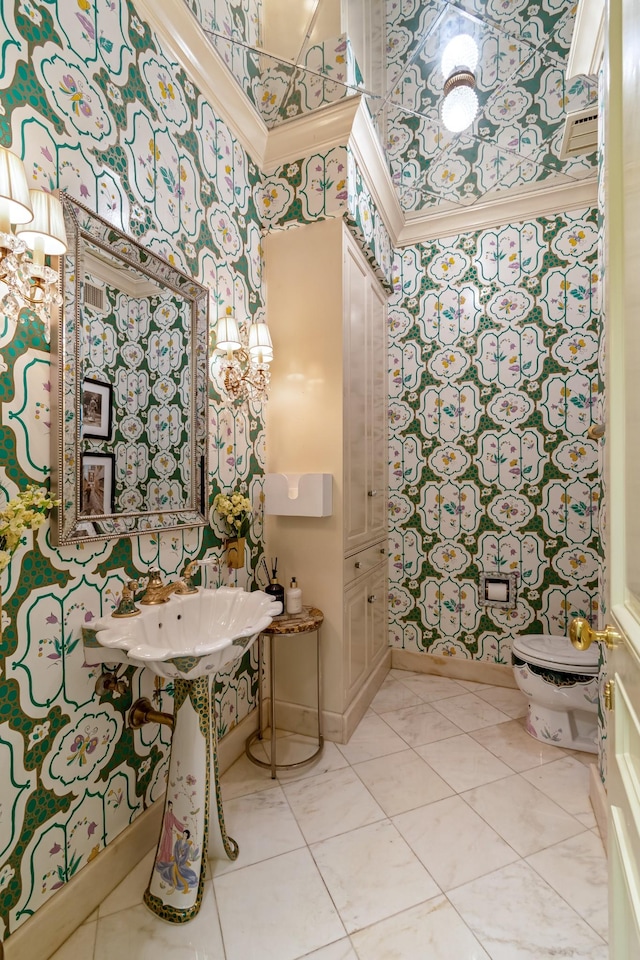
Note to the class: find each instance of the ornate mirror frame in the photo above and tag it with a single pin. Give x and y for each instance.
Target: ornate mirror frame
(70, 525)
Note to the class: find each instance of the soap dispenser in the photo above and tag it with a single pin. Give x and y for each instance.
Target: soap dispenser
(293, 598)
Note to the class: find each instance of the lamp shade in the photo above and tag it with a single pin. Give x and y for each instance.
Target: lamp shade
(14, 189)
(260, 346)
(227, 335)
(459, 108)
(460, 52)
(46, 231)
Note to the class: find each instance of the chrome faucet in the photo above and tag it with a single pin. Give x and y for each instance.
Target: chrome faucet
(158, 592)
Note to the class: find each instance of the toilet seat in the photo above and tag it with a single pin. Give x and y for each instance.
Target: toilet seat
(556, 653)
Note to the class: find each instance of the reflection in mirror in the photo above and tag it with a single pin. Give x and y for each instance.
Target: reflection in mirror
(280, 90)
(291, 58)
(130, 356)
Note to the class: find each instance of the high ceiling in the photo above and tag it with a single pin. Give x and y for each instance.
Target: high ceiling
(514, 143)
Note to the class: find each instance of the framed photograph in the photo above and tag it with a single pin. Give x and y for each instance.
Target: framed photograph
(96, 484)
(97, 409)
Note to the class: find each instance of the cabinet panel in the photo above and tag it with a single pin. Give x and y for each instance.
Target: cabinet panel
(378, 456)
(365, 373)
(355, 638)
(355, 399)
(377, 639)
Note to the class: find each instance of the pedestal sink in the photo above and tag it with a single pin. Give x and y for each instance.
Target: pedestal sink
(187, 639)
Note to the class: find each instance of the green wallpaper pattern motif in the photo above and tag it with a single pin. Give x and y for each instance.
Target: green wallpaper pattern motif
(494, 340)
(138, 347)
(93, 106)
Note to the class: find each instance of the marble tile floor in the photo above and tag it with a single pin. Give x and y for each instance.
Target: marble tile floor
(441, 831)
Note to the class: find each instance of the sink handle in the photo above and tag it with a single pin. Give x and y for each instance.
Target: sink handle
(155, 578)
(188, 586)
(126, 606)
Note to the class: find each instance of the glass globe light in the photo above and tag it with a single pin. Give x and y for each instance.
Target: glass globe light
(459, 108)
(461, 51)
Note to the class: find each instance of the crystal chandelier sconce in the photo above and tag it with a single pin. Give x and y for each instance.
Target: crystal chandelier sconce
(25, 279)
(243, 358)
(460, 104)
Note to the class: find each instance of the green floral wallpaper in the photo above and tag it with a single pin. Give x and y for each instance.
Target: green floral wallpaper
(137, 346)
(494, 340)
(522, 91)
(493, 360)
(91, 103)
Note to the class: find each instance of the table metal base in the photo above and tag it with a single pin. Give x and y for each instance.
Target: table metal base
(312, 623)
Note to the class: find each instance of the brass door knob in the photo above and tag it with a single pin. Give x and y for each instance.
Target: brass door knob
(582, 636)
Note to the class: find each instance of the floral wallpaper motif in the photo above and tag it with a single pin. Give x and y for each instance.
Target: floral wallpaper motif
(93, 106)
(328, 185)
(523, 96)
(137, 346)
(493, 383)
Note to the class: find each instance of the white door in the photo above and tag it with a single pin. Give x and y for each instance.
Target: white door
(622, 226)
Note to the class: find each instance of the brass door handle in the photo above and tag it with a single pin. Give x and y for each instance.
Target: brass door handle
(582, 636)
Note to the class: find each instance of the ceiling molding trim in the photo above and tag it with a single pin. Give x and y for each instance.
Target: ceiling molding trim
(184, 37)
(500, 211)
(587, 44)
(367, 150)
(321, 129)
(348, 123)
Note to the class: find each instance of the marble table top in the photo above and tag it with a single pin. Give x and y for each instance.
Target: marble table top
(310, 619)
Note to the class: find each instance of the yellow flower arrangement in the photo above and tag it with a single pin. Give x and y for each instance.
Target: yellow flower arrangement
(235, 510)
(27, 511)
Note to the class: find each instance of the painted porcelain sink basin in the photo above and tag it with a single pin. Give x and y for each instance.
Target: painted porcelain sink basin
(188, 636)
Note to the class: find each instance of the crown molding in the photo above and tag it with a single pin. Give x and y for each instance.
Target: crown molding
(367, 150)
(187, 41)
(587, 44)
(497, 212)
(322, 129)
(348, 122)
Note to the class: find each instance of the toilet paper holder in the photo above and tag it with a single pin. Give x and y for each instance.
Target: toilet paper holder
(499, 589)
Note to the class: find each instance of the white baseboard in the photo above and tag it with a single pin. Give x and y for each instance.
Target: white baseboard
(599, 802)
(455, 667)
(54, 922)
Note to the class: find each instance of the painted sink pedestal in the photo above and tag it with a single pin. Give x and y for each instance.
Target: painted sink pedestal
(189, 833)
(187, 640)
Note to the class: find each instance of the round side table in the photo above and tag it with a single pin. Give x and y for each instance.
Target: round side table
(286, 625)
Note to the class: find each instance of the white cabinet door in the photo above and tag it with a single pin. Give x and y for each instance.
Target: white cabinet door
(365, 411)
(622, 223)
(355, 660)
(356, 501)
(377, 416)
(377, 603)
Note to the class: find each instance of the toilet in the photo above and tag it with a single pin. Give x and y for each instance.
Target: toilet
(561, 686)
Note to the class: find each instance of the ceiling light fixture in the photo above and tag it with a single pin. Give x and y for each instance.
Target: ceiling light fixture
(460, 104)
(242, 358)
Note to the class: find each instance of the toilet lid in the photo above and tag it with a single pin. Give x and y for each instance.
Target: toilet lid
(556, 653)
